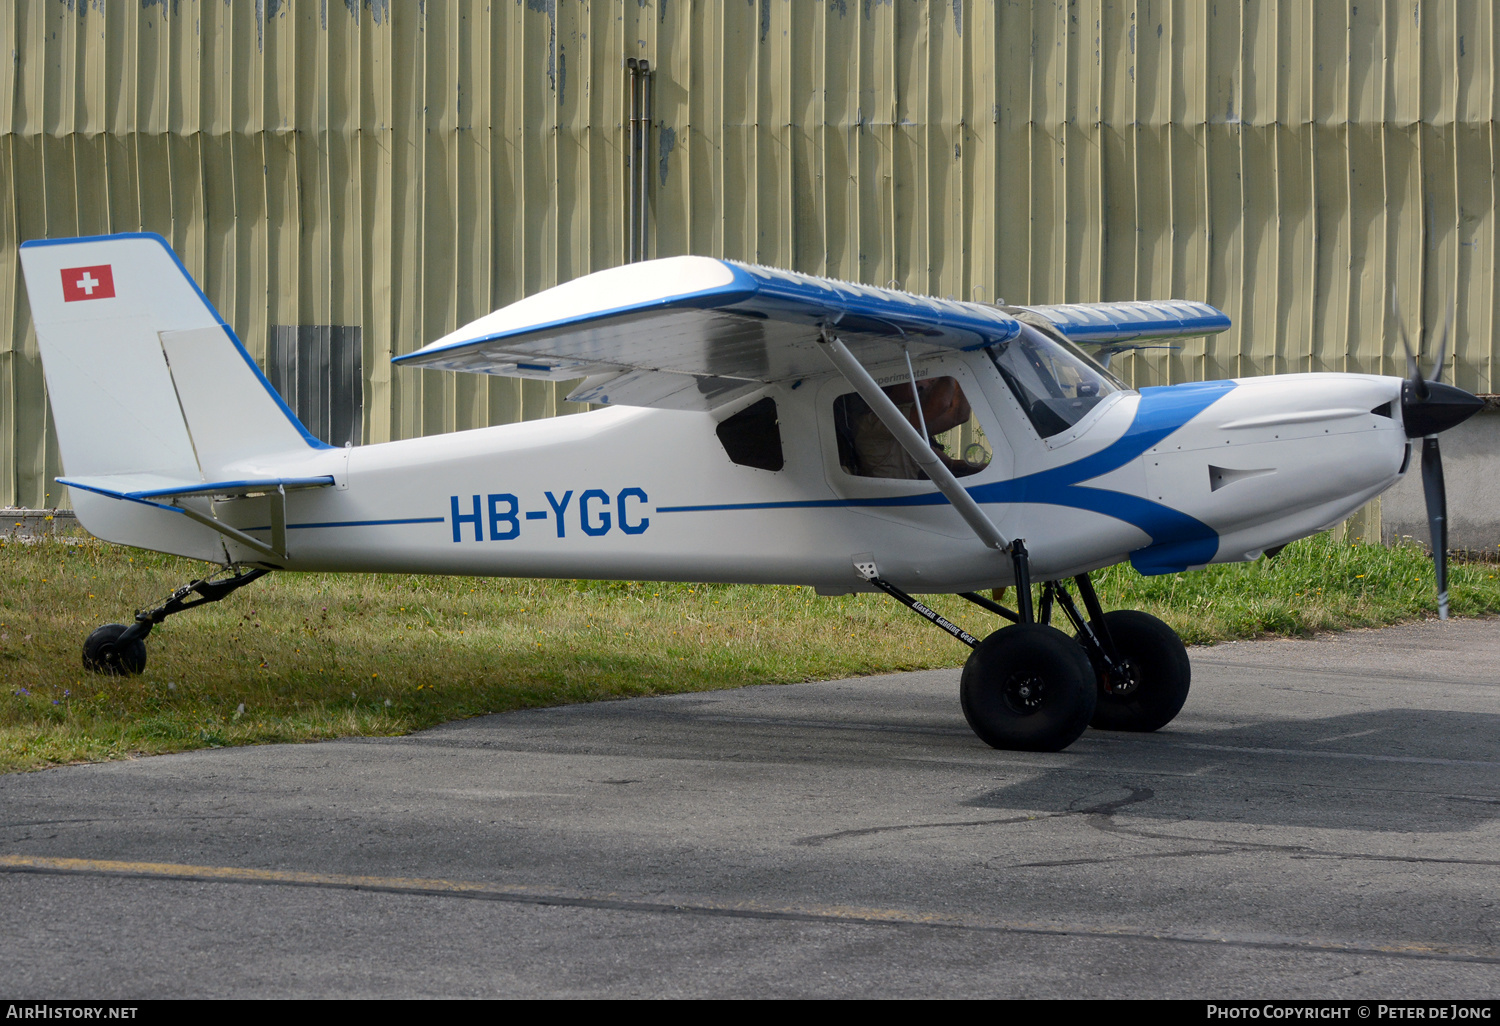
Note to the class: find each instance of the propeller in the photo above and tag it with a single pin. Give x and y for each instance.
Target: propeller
(1428, 407)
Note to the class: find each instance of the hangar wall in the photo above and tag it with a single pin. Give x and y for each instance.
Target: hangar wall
(401, 167)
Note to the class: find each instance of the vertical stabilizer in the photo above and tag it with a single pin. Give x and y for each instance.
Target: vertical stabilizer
(145, 378)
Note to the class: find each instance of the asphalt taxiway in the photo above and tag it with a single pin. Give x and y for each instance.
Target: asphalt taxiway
(1322, 820)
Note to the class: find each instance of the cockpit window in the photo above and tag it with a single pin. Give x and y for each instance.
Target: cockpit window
(867, 449)
(1055, 383)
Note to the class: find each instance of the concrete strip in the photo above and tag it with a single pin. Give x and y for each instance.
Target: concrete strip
(30, 524)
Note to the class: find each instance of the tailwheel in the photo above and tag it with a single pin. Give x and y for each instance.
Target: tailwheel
(1028, 687)
(1156, 674)
(103, 651)
(121, 650)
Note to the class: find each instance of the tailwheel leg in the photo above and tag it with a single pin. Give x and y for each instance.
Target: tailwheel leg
(1141, 666)
(118, 649)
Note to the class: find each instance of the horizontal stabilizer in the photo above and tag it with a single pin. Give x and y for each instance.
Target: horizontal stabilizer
(148, 487)
(1103, 323)
(165, 493)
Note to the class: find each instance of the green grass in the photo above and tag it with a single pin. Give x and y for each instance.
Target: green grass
(297, 657)
(1318, 584)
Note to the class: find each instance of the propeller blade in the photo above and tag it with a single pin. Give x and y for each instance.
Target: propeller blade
(1437, 516)
(1418, 386)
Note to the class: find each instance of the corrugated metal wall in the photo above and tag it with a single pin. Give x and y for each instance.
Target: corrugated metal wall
(404, 166)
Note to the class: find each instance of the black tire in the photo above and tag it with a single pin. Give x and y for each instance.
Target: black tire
(100, 656)
(1029, 688)
(1160, 675)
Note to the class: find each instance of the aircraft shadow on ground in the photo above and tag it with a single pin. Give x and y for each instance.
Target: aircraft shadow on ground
(1390, 770)
(1394, 770)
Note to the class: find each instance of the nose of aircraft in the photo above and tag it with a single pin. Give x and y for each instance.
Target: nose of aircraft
(1443, 407)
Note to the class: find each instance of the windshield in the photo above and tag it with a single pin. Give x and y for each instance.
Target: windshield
(1055, 383)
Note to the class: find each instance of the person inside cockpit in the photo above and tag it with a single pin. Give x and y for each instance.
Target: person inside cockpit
(867, 449)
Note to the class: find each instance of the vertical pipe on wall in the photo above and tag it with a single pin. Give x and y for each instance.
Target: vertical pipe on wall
(632, 160)
(644, 178)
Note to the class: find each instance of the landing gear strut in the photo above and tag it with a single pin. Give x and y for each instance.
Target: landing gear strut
(121, 650)
(1029, 686)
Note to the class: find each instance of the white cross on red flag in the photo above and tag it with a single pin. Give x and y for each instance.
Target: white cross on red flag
(96, 282)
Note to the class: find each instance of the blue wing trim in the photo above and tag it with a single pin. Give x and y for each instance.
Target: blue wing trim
(869, 310)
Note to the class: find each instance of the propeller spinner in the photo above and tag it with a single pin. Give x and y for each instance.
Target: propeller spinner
(1429, 407)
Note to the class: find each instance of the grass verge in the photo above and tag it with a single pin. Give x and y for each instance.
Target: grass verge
(298, 657)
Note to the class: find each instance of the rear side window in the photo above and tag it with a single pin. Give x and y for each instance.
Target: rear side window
(752, 437)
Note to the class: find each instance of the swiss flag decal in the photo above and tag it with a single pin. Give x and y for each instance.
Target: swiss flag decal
(88, 283)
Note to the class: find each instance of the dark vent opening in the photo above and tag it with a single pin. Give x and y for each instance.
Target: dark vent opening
(752, 437)
(319, 371)
(1383, 410)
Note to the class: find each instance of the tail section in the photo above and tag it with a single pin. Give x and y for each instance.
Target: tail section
(152, 394)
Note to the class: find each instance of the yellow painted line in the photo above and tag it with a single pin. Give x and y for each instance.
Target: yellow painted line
(235, 874)
(851, 914)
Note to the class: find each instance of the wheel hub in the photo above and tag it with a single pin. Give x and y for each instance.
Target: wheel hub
(1124, 681)
(1024, 692)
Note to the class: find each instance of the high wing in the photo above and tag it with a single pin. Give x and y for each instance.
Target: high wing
(696, 332)
(1105, 323)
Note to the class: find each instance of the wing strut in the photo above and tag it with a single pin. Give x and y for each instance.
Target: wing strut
(915, 445)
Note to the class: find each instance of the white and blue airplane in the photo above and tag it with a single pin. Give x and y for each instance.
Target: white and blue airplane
(758, 426)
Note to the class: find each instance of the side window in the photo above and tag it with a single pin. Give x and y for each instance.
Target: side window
(752, 437)
(867, 449)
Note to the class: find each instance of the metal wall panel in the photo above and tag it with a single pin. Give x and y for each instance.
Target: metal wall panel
(404, 166)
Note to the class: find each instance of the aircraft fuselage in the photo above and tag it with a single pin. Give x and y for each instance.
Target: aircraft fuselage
(1170, 478)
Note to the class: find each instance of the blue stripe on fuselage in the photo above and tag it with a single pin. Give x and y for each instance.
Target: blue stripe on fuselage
(1178, 541)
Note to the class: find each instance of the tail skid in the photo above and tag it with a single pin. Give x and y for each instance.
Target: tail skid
(158, 406)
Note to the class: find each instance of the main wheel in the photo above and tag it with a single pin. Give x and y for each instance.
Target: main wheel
(1028, 687)
(100, 655)
(1158, 675)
